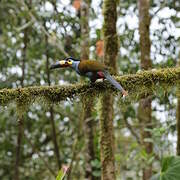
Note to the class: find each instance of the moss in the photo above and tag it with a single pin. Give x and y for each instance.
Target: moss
(107, 99)
(106, 118)
(138, 85)
(110, 35)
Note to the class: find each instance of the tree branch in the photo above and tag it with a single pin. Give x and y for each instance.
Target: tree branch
(163, 5)
(139, 85)
(128, 125)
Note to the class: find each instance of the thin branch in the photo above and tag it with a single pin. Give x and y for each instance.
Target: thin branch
(24, 26)
(41, 157)
(159, 9)
(128, 125)
(56, 14)
(74, 155)
(53, 37)
(76, 150)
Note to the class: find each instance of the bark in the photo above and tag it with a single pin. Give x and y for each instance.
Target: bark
(85, 5)
(144, 116)
(144, 109)
(18, 148)
(144, 25)
(89, 136)
(107, 100)
(107, 138)
(88, 102)
(51, 109)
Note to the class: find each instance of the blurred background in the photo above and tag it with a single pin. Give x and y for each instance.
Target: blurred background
(35, 34)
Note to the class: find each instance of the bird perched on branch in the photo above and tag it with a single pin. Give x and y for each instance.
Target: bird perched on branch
(92, 69)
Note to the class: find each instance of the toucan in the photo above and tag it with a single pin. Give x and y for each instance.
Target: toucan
(92, 69)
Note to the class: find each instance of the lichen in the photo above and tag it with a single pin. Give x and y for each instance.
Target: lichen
(138, 85)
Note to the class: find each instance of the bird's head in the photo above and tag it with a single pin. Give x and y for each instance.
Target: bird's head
(67, 62)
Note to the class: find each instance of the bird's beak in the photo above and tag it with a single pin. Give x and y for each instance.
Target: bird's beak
(60, 64)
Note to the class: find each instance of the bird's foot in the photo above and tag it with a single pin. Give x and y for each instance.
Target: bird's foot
(100, 80)
(125, 93)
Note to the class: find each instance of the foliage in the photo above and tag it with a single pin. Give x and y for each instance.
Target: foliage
(170, 169)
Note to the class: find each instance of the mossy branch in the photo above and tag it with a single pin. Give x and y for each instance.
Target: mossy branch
(136, 84)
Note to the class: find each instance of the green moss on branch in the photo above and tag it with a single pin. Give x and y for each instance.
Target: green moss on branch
(138, 83)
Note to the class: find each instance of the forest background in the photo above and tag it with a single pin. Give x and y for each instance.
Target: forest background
(93, 131)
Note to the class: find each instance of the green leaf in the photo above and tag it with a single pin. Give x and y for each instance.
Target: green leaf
(62, 172)
(96, 163)
(97, 173)
(170, 169)
(60, 175)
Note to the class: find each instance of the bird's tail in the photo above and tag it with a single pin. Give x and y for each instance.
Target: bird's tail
(114, 83)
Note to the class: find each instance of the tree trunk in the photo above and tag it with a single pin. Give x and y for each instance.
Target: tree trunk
(51, 109)
(144, 116)
(18, 148)
(178, 126)
(144, 109)
(107, 100)
(89, 137)
(88, 103)
(144, 25)
(178, 118)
